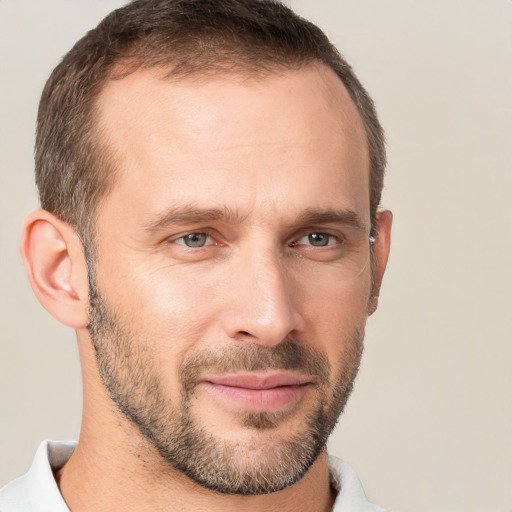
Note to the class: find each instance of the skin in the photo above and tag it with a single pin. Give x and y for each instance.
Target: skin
(269, 150)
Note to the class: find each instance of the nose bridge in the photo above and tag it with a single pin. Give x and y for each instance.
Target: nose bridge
(264, 299)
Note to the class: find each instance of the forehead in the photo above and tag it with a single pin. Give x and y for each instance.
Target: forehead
(187, 140)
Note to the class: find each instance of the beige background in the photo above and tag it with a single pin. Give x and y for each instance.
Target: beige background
(429, 425)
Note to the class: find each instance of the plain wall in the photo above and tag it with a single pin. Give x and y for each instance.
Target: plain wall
(429, 425)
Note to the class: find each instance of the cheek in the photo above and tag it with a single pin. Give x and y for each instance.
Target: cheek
(166, 314)
(166, 298)
(335, 313)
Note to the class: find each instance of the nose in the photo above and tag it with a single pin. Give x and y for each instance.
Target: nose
(263, 300)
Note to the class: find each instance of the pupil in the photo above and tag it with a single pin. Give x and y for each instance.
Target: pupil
(319, 239)
(195, 240)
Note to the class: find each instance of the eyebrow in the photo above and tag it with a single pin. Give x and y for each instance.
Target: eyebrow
(182, 215)
(347, 217)
(192, 215)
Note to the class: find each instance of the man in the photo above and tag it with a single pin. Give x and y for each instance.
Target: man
(209, 174)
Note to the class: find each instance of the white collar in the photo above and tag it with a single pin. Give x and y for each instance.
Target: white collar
(37, 490)
(351, 496)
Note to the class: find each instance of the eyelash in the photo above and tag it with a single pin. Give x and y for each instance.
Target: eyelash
(330, 238)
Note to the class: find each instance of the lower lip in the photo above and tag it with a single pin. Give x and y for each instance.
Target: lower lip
(258, 400)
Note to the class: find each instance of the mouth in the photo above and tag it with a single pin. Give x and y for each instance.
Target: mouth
(258, 392)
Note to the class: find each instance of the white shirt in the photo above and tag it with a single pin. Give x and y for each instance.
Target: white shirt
(37, 491)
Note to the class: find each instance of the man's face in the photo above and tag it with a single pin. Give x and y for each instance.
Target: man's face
(231, 277)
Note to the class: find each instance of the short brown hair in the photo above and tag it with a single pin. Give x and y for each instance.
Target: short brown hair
(183, 37)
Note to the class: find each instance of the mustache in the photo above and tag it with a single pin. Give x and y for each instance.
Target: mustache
(251, 357)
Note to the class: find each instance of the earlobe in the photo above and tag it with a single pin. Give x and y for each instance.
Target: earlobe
(54, 261)
(380, 253)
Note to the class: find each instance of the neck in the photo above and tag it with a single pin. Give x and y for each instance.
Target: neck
(114, 467)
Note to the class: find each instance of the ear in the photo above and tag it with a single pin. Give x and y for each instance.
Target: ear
(382, 233)
(54, 260)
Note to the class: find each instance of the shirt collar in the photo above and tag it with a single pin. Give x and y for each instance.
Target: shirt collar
(37, 490)
(351, 496)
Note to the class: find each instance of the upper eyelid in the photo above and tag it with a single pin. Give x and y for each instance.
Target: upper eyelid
(192, 233)
(206, 231)
(335, 231)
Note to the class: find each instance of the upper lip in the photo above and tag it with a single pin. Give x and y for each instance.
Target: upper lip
(258, 380)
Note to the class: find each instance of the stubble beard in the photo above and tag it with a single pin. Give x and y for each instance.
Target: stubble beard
(127, 368)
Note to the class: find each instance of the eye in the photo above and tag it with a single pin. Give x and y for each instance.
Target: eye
(317, 240)
(193, 240)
